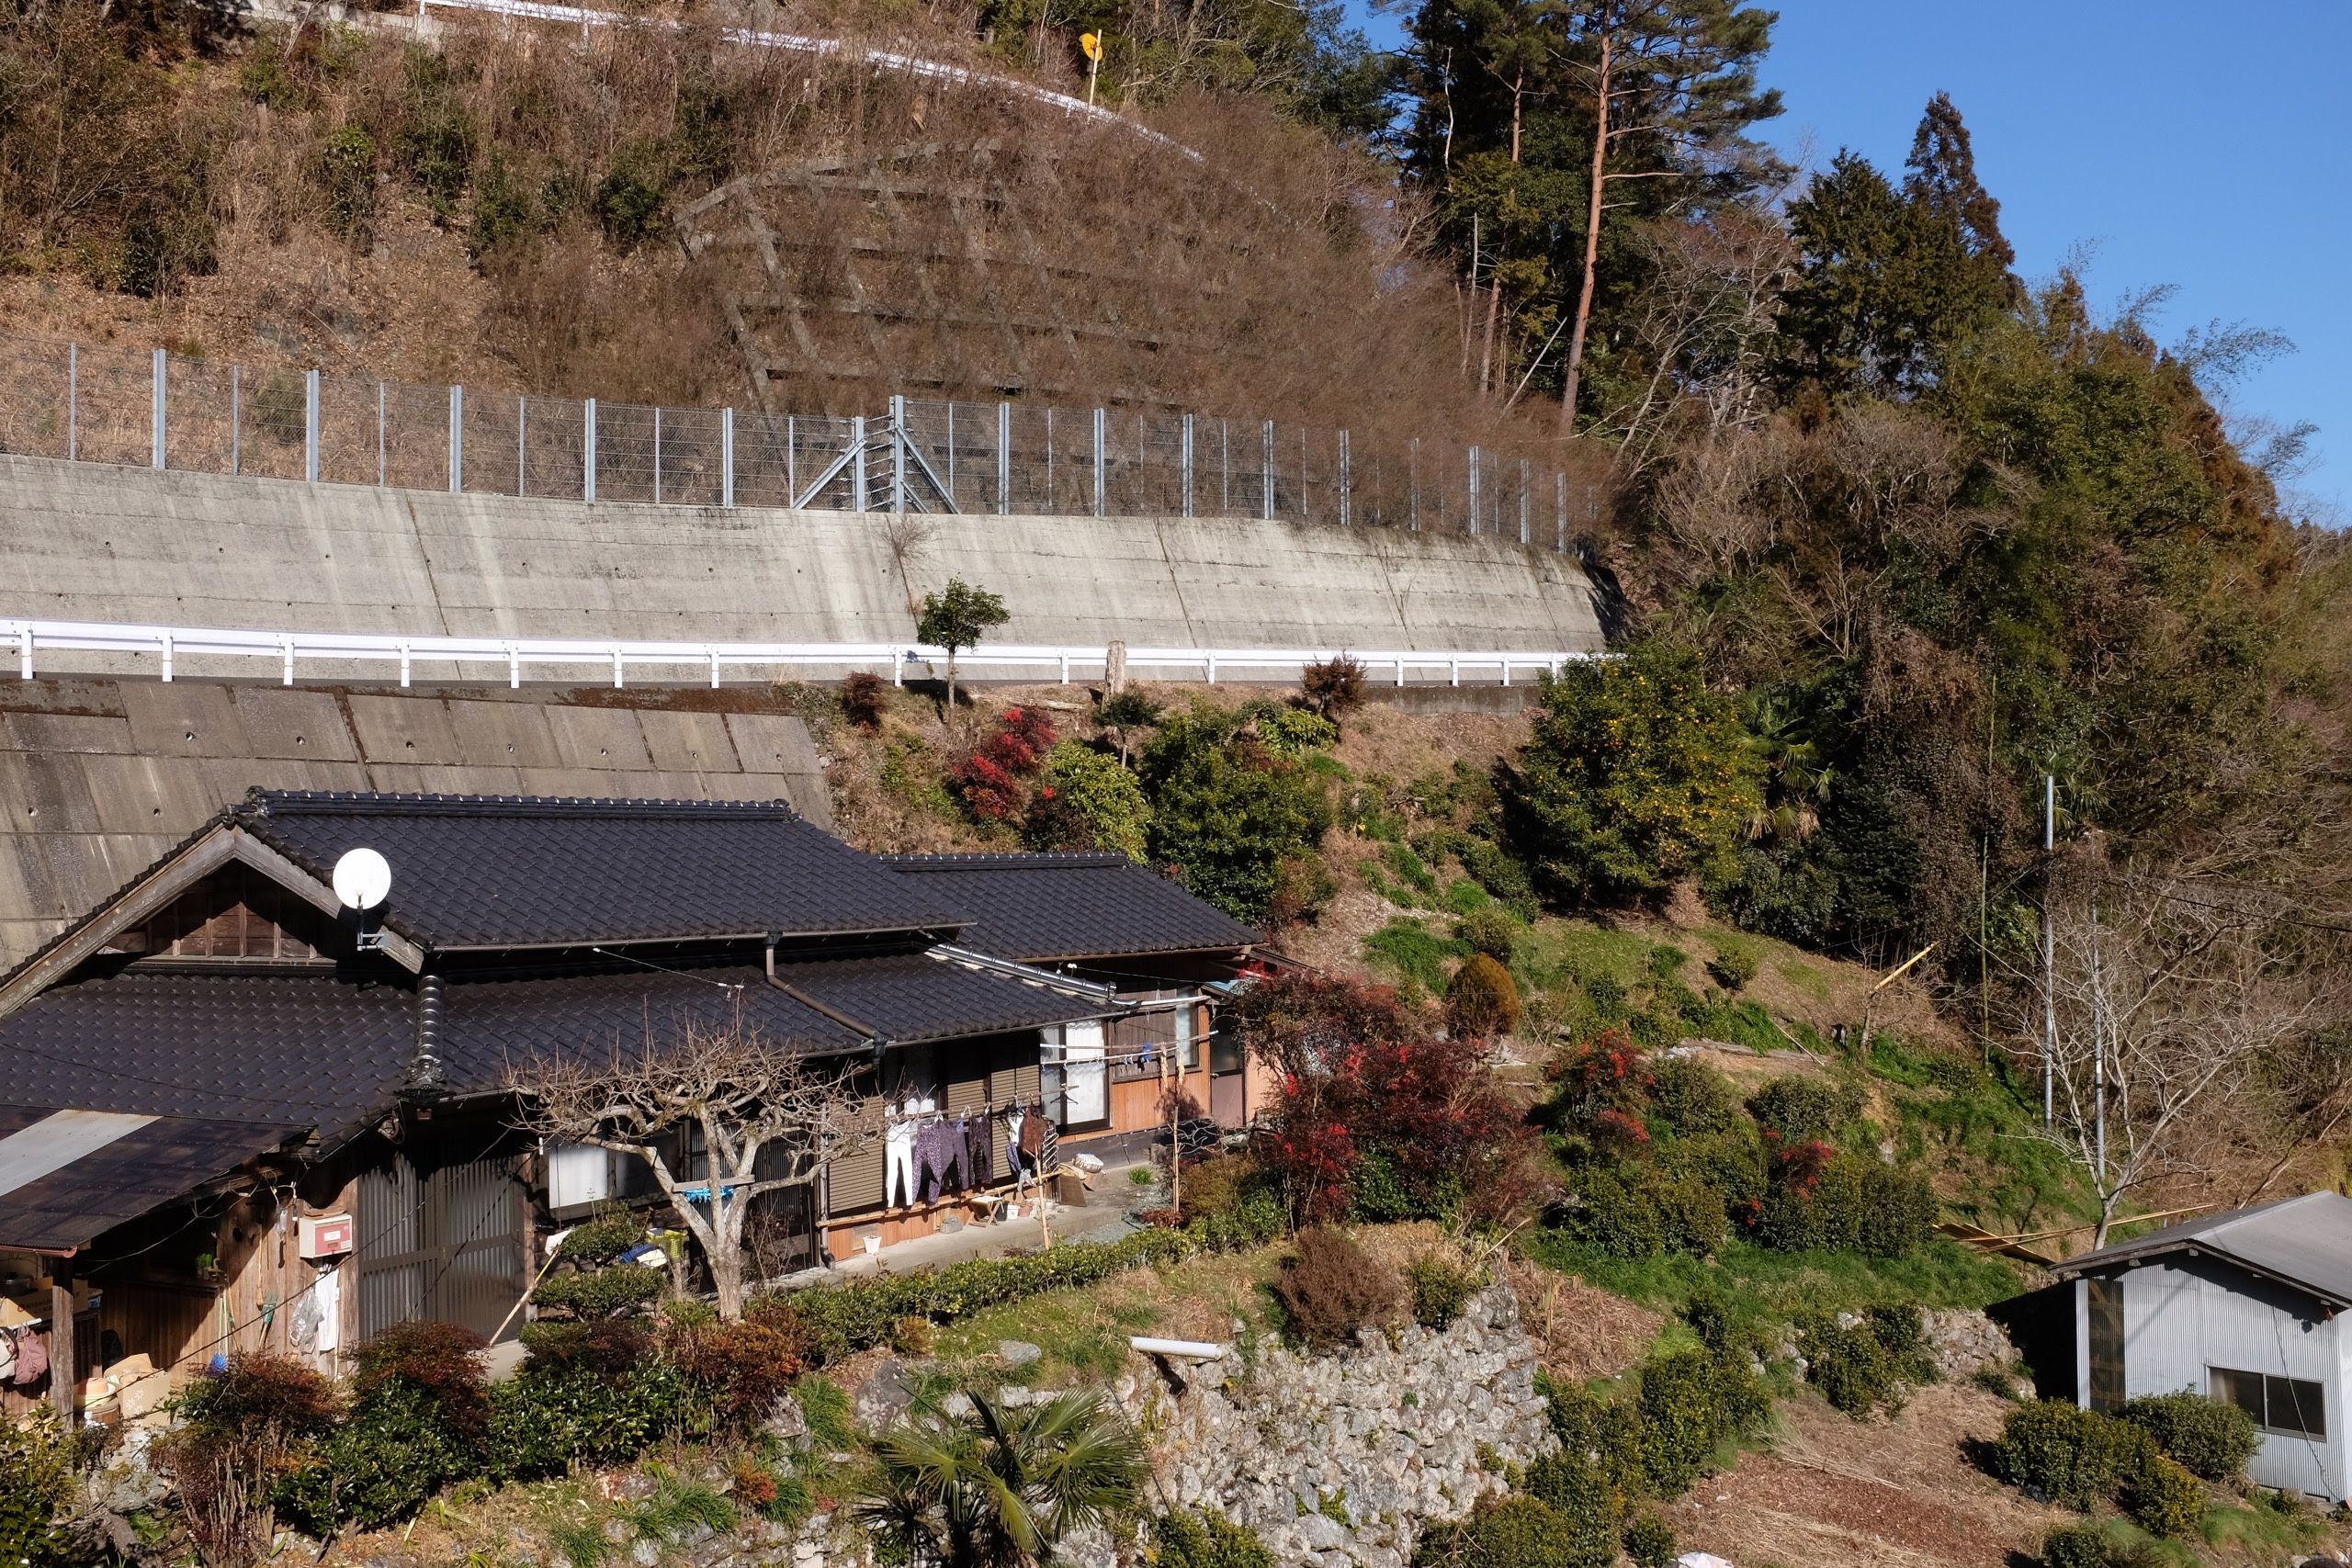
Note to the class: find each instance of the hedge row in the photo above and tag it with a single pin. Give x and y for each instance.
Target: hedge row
(843, 1319)
(2080, 1458)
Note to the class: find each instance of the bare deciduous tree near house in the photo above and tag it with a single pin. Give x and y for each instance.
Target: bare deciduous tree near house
(2167, 1001)
(747, 1094)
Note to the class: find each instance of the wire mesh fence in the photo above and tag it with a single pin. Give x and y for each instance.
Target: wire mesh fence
(103, 404)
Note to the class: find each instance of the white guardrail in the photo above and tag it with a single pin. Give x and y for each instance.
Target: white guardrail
(287, 649)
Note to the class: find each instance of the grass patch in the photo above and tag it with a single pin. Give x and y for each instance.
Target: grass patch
(1766, 1288)
(1086, 1332)
(2267, 1529)
(1978, 1129)
(1414, 952)
(1803, 976)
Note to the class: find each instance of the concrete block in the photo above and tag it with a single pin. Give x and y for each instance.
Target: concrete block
(23, 731)
(307, 726)
(407, 731)
(573, 784)
(46, 794)
(599, 737)
(473, 781)
(503, 734)
(688, 742)
(350, 778)
(182, 721)
(149, 795)
(771, 743)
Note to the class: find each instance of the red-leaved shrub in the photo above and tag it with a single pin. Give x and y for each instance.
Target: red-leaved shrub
(1361, 1074)
(1331, 1288)
(1606, 1072)
(991, 780)
(439, 1360)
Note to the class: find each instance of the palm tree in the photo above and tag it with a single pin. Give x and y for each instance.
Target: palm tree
(995, 1487)
(1787, 736)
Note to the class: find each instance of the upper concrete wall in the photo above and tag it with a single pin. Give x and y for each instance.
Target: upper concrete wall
(99, 779)
(93, 542)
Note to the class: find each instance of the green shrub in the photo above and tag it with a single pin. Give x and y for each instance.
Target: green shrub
(556, 1413)
(1228, 814)
(1690, 1400)
(1519, 1531)
(1636, 775)
(1732, 968)
(2212, 1438)
(1087, 801)
(634, 194)
(1805, 1108)
(1691, 1099)
(1440, 1289)
(1847, 1203)
(600, 1240)
(1863, 1365)
(1501, 874)
(1482, 1000)
(348, 173)
(2163, 1499)
(1329, 1287)
(1616, 1217)
(1185, 1539)
(2075, 1546)
(599, 1292)
(2070, 1456)
(36, 1480)
(742, 1369)
(1492, 930)
(396, 1449)
(1651, 1543)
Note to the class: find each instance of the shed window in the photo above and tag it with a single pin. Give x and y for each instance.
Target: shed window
(2294, 1407)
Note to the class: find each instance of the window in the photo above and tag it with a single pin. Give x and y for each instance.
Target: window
(2106, 1304)
(2294, 1407)
(1188, 1034)
(1224, 1049)
(1075, 1078)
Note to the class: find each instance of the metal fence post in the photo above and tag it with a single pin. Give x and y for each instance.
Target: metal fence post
(457, 439)
(1267, 510)
(588, 453)
(236, 419)
(1101, 438)
(1004, 459)
(727, 457)
(158, 407)
(1560, 544)
(657, 456)
(791, 460)
(1225, 465)
(310, 425)
(897, 452)
(1343, 478)
(951, 456)
(1413, 485)
(380, 433)
(857, 463)
(1188, 465)
(1523, 525)
(73, 400)
(1474, 490)
(522, 422)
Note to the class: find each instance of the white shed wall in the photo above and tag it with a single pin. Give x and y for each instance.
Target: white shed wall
(2184, 1315)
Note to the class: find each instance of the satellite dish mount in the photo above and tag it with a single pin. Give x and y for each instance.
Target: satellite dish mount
(363, 879)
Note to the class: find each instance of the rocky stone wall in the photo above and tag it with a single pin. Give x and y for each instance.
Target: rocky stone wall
(1339, 1461)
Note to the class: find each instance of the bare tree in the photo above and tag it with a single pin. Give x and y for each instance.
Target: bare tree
(2167, 999)
(746, 1095)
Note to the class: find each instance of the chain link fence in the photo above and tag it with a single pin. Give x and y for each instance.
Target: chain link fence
(144, 408)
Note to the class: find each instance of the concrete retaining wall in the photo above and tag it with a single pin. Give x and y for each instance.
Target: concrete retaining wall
(99, 779)
(93, 542)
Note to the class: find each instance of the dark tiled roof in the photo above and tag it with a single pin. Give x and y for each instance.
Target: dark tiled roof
(1034, 908)
(312, 1051)
(144, 1169)
(484, 871)
(912, 998)
(495, 1021)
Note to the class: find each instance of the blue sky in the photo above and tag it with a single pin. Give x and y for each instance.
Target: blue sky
(2200, 146)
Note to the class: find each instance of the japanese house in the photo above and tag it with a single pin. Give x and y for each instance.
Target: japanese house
(234, 1112)
(2246, 1306)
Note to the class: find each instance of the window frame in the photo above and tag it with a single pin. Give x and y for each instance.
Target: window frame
(2222, 1385)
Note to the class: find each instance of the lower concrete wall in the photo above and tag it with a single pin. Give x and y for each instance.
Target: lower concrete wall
(99, 779)
(83, 541)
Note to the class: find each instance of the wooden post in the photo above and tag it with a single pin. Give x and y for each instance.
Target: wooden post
(63, 1377)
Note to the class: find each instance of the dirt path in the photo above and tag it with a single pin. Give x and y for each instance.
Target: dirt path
(1836, 1492)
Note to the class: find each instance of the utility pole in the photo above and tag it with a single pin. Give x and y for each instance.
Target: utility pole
(2049, 951)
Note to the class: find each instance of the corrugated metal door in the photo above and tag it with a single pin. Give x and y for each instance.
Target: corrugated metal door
(443, 1245)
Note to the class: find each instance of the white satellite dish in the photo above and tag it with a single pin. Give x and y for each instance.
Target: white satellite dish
(362, 878)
